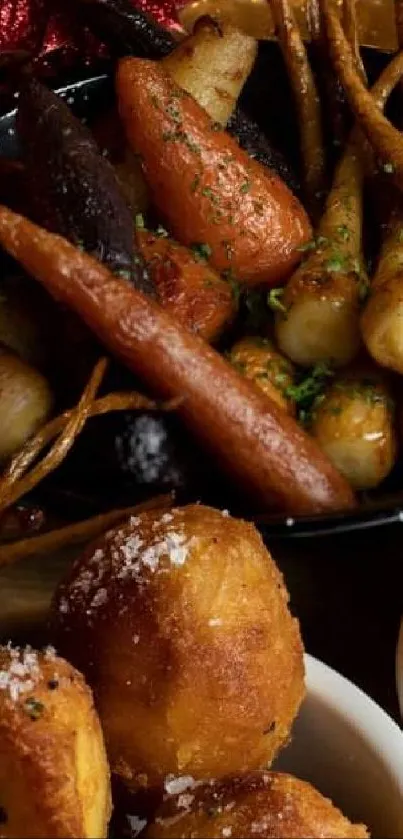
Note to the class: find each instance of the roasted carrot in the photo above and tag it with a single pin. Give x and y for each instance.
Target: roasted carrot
(253, 439)
(208, 189)
(187, 286)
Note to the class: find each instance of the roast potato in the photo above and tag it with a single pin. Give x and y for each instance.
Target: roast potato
(258, 360)
(213, 65)
(54, 776)
(354, 424)
(255, 806)
(180, 622)
(25, 402)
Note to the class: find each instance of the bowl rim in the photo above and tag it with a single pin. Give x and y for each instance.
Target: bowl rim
(375, 726)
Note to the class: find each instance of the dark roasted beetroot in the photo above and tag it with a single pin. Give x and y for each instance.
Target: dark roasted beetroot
(124, 457)
(73, 188)
(251, 139)
(125, 28)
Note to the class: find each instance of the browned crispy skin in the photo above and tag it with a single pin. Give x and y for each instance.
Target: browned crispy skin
(205, 186)
(187, 287)
(268, 454)
(259, 805)
(54, 777)
(195, 660)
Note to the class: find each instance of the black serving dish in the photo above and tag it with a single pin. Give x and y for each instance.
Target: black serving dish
(89, 97)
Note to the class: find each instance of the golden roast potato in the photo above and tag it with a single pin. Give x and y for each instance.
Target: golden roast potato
(258, 360)
(180, 622)
(254, 806)
(54, 776)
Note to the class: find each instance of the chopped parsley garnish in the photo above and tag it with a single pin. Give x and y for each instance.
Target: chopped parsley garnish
(309, 391)
(274, 300)
(161, 232)
(201, 251)
(34, 708)
(139, 221)
(336, 263)
(235, 285)
(195, 183)
(343, 233)
(245, 187)
(314, 244)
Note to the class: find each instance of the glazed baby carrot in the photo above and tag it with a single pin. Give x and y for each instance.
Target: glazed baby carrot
(263, 449)
(208, 190)
(186, 285)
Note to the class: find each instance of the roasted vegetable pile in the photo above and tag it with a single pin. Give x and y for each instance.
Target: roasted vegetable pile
(229, 296)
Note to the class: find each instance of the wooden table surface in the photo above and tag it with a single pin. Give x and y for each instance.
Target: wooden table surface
(347, 592)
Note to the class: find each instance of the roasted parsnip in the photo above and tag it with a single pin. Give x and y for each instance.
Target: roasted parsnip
(353, 422)
(213, 64)
(307, 103)
(257, 359)
(382, 318)
(319, 316)
(318, 319)
(384, 138)
(25, 402)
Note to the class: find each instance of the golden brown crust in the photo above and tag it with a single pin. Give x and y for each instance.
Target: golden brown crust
(180, 622)
(187, 286)
(254, 806)
(54, 777)
(258, 360)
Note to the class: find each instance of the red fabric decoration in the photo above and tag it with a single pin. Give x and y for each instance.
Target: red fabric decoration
(44, 29)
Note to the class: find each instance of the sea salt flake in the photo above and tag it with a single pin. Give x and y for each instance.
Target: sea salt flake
(136, 639)
(174, 786)
(226, 832)
(185, 800)
(136, 824)
(225, 514)
(215, 622)
(100, 598)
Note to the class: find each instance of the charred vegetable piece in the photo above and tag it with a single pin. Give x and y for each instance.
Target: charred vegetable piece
(213, 64)
(257, 146)
(208, 190)
(258, 360)
(126, 28)
(251, 438)
(187, 286)
(354, 424)
(128, 455)
(74, 190)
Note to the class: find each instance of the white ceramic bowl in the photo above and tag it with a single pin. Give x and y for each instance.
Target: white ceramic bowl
(348, 747)
(399, 668)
